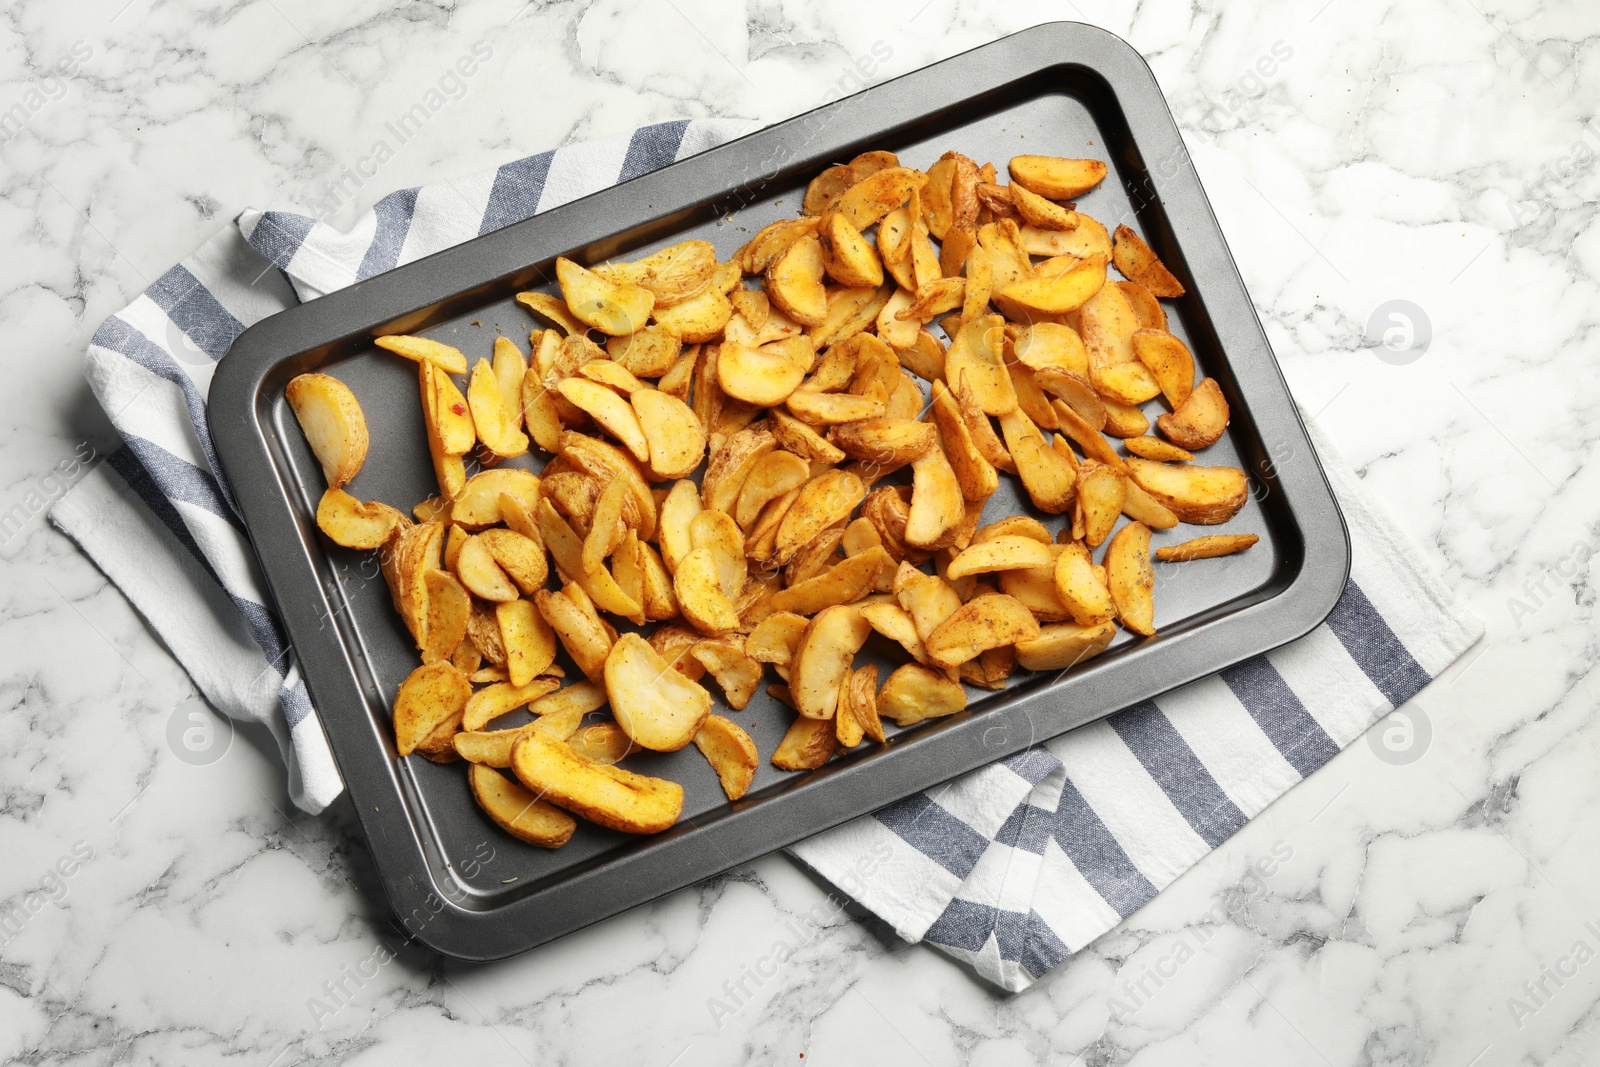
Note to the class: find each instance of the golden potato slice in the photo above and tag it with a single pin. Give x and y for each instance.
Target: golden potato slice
(934, 298)
(332, 421)
(434, 507)
(559, 714)
(848, 257)
(539, 411)
(1138, 263)
(798, 437)
(672, 643)
(567, 550)
(449, 608)
(603, 743)
(730, 752)
(613, 375)
(773, 475)
(1004, 553)
(1157, 449)
(863, 689)
(674, 274)
(937, 502)
(1031, 398)
(726, 659)
(348, 522)
(1080, 589)
(1205, 496)
(1057, 294)
(1146, 308)
(989, 621)
(826, 188)
(815, 556)
(730, 465)
(649, 353)
(717, 533)
(573, 494)
(885, 443)
(529, 641)
(1013, 526)
(1100, 493)
(823, 657)
(607, 463)
(1087, 437)
(610, 307)
(843, 583)
(809, 744)
(445, 412)
(1169, 360)
(927, 598)
(1051, 344)
(656, 706)
(420, 349)
(829, 409)
(1125, 386)
(764, 376)
(776, 637)
(1038, 211)
(1035, 587)
(607, 528)
(610, 411)
(583, 635)
(1142, 507)
(772, 241)
(518, 812)
(974, 473)
(1209, 547)
(678, 380)
(660, 602)
(496, 424)
(484, 633)
(698, 586)
(478, 571)
(976, 360)
(894, 622)
(1047, 475)
(794, 282)
(1131, 579)
(491, 748)
(678, 510)
(828, 498)
(1075, 391)
(548, 307)
(699, 319)
(502, 698)
(914, 693)
(1065, 644)
(674, 437)
(1200, 420)
(870, 199)
(848, 730)
(432, 696)
(850, 310)
(603, 794)
(478, 504)
(509, 369)
(1055, 178)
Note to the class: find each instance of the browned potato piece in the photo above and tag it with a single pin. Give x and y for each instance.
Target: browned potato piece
(794, 282)
(937, 503)
(1157, 449)
(501, 698)
(1037, 211)
(772, 241)
(828, 498)
(449, 608)
(870, 199)
(674, 274)
(656, 706)
(848, 257)
(1064, 644)
(601, 742)
(333, 424)
(1169, 360)
(1003, 553)
(497, 424)
(478, 571)
(529, 642)
(521, 557)
(730, 752)
(843, 583)
(432, 696)
(478, 504)
(548, 307)
(348, 522)
(1138, 263)
(1208, 547)
(773, 475)
(809, 744)
(728, 662)
(914, 692)
(698, 319)
(700, 596)
(863, 686)
(615, 798)
(1055, 178)
(828, 409)
(1080, 588)
(985, 622)
(610, 307)
(518, 812)
(730, 465)
(1200, 420)
(776, 637)
(1205, 496)
(1100, 494)
(1131, 579)
(674, 437)
(1146, 308)
(1057, 294)
(885, 443)
(422, 349)
(764, 375)
(582, 633)
(1047, 475)
(823, 657)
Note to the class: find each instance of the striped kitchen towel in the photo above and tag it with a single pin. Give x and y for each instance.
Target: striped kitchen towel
(1010, 868)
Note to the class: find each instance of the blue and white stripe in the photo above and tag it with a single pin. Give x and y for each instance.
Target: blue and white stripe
(1011, 868)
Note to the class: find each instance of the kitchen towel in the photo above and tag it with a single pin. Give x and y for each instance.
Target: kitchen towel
(1010, 868)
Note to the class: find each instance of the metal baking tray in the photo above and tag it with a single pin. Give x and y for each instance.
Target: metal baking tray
(468, 890)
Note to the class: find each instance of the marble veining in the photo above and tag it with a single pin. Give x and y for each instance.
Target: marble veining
(1357, 152)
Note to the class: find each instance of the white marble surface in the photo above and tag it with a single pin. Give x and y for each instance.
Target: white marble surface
(1443, 911)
